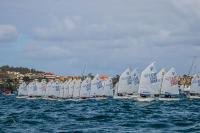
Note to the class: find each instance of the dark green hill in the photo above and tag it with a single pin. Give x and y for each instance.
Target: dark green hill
(22, 70)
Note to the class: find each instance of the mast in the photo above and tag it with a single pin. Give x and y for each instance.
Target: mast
(161, 82)
(194, 58)
(83, 72)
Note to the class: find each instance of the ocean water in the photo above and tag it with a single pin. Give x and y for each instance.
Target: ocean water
(34, 116)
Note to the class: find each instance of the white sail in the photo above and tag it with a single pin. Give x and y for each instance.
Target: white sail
(85, 88)
(148, 80)
(32, 89)
(71, 88)
(160, 77)
(170, 83)
(134, 81)
(77, 88)
(49, 89)
(115, 87)
(43, 87)
(39, 89)
(96, 87)
(108, 87)
(195, 85)
(66, 89)
(125, 82)
(61, 94)
(56, 89)
(22, 91)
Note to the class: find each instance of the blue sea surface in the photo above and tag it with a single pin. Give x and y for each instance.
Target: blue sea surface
(34, 116)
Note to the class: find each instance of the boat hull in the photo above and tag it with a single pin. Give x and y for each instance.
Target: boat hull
(168, 99)
(145, 99)
(122, 97)
(194, 97)
(21, 97)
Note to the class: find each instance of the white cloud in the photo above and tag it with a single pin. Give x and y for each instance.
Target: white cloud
(7, 33)
(109, 35)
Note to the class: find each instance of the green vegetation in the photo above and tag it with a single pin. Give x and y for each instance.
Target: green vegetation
(10, 81)
(22, 70)
(9, 84)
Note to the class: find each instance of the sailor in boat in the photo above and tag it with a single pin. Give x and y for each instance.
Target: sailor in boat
(148, 83)
(145, 94)
(170, 89)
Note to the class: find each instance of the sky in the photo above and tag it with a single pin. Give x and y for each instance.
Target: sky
(68, 37)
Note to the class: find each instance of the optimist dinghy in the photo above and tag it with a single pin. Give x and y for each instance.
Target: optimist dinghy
(170, 89)
(108, 87)
(85, 88)
(77, 88)
(32, 90)
(124, 90)
(97, 90)
(22, 91)
(135, 83)
(148, 84)
(195, 87)
(160, 77)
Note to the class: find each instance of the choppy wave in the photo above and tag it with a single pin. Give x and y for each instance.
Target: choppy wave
(22, 115)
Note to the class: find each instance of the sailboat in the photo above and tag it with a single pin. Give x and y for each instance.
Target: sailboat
(61, 93)
(148, 82)
(43, 87)
(135, 83)
(160, 77)
(39, 89)
(66, 89)
(71, 88)
(85, 88)
(22, 91)
(108, 87)
(96, 87)
(170, 89)
(32, 89)
(77, 88)
(124, 85)
(115, 87)
(195, 87)
(49, 90)
(56, 89)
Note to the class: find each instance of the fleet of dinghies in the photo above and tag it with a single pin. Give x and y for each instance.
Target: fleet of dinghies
(72, 89)
(148, 86)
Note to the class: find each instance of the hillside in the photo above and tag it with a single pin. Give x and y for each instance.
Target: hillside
(22, 70)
